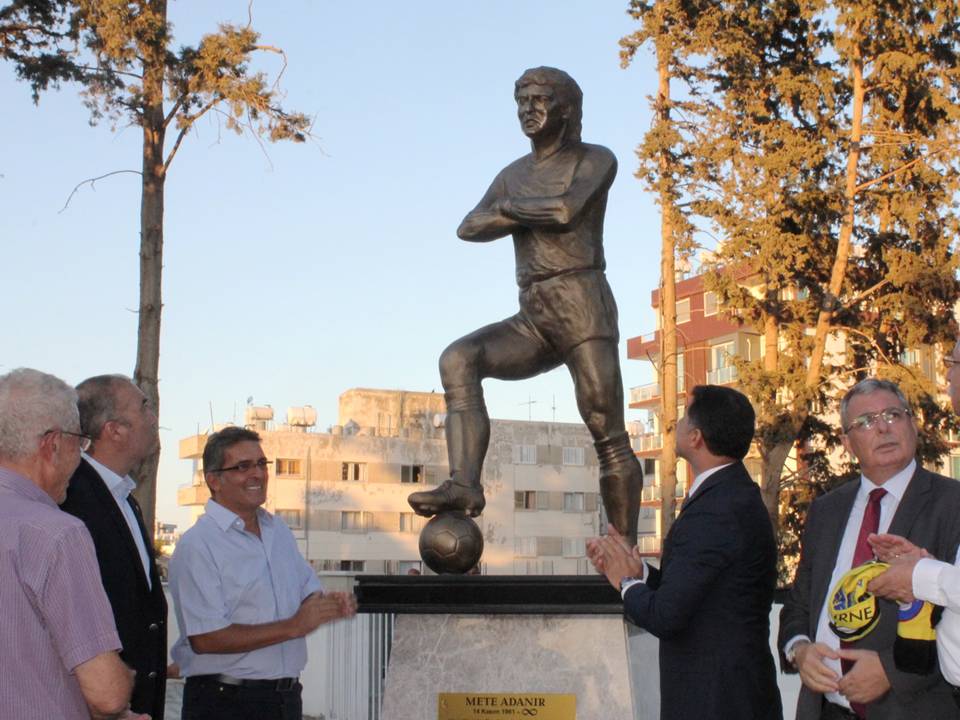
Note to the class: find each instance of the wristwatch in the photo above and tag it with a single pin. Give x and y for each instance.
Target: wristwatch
(791, 654)
(624, 581)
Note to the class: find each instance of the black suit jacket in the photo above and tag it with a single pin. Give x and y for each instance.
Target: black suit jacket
(139, 611)
(710, 605)
(929, 516)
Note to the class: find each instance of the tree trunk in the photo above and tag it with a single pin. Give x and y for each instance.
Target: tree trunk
(151, 256)
(838, 272)
(668, 306)
(771, 459)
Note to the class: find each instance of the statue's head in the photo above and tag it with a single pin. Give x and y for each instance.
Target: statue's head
(548, 98)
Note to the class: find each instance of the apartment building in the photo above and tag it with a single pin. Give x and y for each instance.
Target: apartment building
(343, 492)
(707, 345)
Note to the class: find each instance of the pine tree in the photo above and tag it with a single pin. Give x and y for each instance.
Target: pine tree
(121, 52)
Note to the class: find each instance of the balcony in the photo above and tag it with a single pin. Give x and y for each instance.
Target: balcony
(648, 544)
(722, 376)
(643, 393)
(188, 495)
(649, 441)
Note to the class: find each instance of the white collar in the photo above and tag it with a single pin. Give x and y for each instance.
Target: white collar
(225, 519)
(896, 485)
(119, 487)
(699, 479)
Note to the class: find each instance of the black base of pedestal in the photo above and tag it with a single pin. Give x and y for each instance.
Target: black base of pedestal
(488, 594)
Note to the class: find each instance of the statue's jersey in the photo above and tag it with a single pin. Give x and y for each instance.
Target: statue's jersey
(550, 250)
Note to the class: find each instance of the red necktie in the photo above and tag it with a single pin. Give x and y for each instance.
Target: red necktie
(861, 554)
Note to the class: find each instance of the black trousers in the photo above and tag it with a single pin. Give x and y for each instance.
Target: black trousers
(206, 699)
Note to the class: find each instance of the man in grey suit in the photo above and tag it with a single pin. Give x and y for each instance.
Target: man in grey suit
(894, 494)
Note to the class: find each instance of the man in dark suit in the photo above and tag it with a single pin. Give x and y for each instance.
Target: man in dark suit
(894, 494)
(709, 603)
(123, 425)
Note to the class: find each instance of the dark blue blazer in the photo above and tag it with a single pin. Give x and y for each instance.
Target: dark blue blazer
(709, 604)
(139, 611)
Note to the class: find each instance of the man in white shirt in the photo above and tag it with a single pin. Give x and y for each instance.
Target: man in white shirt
(245, 598)
(122, 423)
(914, 574)
(860, 678)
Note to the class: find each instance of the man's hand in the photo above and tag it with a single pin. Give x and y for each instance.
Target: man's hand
(866, 681)
(893, 547)
(896, 582)
(613, 556)
(318, 608)
(813, 672)
(902, 555)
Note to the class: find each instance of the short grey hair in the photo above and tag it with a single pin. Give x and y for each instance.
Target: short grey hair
(97, 402)
(219, 442)
(867, 387)
(31, 403)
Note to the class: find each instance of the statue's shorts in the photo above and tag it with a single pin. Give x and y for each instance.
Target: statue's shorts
(566, 310)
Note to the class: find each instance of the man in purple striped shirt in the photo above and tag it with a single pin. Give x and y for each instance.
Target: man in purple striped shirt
(58, 642)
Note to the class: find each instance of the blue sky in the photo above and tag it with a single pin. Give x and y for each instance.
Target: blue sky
(295, 272)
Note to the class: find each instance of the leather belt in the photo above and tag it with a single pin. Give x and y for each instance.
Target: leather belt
(278, 684)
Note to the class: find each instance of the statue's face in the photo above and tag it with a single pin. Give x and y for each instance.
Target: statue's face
(539, 111)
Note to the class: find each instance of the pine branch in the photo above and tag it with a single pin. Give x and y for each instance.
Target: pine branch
(92, 182)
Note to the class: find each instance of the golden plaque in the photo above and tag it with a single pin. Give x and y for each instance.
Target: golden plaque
(517, 706)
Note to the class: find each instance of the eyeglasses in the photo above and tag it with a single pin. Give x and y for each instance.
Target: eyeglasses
(246, 466)
(867, 421)
(85, 440)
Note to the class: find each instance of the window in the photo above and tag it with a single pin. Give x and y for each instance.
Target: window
(525, 454)
(337, 565)
(683, 311)
(573, 456)
(292, 518)
(574, 547)
(288, 466)
(353, 472)
(411, 473)
(408, 522)
(525, 547)
(709, 303)
(573, 502)
(955, 467)
(409, 567)
(351, 520)
(525, 500)
(647, 522)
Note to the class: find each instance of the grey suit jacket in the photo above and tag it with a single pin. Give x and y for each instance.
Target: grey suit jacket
(929, 516)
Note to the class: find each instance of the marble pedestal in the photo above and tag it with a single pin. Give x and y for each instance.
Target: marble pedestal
(517, 634)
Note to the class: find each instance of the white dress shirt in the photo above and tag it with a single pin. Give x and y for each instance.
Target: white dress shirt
(120, 488)
(221, 574)
(697, 482)
(939, 582)
(896, 486)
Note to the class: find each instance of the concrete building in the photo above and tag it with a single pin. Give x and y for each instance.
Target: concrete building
(344, 492)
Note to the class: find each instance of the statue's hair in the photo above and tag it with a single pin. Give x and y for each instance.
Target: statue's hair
(567, 90)
(31, 403)
(868, 387)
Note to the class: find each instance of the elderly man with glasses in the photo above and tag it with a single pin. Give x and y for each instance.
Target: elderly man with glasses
(245, 598)
(860, 678)
(915, 575)
(58, 643)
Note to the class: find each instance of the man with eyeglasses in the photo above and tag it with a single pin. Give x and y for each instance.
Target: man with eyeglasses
(58, 643)
(120, 419)
(860, 678)
(914, 574)
(244, 596)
